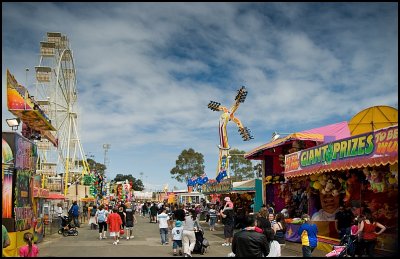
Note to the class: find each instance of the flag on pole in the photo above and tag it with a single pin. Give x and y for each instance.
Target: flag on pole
(221, 176)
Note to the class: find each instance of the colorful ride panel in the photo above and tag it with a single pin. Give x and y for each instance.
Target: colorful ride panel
(25, 107)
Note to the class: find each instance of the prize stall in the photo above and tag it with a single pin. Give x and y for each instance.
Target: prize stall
(275, 188)
(18, 167)
(246, 195)
(360, 172)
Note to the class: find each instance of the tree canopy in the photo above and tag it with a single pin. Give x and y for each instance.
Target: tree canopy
(189, 164)
(241, 168)
(97, 167)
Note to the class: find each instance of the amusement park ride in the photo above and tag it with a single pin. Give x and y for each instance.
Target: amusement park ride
(49, 117)
(226, 116)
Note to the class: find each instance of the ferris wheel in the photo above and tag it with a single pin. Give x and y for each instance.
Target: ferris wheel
(57, 95)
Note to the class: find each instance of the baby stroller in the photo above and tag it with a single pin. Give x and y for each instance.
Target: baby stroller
(66, 227)
(201, 242)
(345, 248)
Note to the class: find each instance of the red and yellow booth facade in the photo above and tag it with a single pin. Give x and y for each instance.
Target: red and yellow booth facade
(360, 172)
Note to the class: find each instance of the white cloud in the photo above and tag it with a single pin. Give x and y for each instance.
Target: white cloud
(146, 71)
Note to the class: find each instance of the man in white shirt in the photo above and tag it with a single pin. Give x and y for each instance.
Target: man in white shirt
(162, 219)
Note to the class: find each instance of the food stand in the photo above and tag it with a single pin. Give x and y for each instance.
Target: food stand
(366, 168)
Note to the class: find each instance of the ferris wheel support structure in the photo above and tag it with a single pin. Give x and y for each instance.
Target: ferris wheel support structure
(56, 86)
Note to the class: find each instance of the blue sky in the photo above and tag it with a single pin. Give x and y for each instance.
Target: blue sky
(146, 71)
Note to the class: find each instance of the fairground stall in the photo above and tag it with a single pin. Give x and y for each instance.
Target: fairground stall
(276, 190)
(360, 172)
(246, 195)
(18, 167)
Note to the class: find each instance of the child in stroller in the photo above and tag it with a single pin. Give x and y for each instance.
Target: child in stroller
(345, 248)
(201, 242)
(66, 228)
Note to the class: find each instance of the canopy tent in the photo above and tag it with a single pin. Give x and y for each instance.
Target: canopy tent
(248, 185)
(373, 118)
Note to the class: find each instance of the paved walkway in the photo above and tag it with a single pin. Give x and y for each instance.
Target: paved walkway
(147, 243)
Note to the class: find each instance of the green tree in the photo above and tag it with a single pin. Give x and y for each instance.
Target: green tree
(189, 164)
(258, 169)
(241, 168)
(137, 184)
(97, 167)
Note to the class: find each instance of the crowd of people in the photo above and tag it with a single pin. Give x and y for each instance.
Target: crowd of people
(262, 234)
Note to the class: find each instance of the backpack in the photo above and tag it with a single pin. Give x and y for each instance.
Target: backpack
(93, 212)
(101, 216)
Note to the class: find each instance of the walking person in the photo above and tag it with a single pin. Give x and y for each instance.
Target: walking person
(279, 229)
(213, 217)
(162, 219)
(122, 214)
(59, 212)
(130, 221)
(177, 237)
(229, 224)
(101, 220)
(144, 209)
(308, 232)
(367, 231)
(92, 219)
(343, 220)
(85, 211)
(114, 222)
(153, 213)
(248, 242)
(188, 236)
(30, 249)
(179, 213)
(74, 212)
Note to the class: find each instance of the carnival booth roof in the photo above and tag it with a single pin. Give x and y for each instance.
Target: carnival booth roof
(55, 196)
(248, 185)
(321, 135)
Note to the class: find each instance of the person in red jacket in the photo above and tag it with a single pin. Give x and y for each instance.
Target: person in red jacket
(114, 222)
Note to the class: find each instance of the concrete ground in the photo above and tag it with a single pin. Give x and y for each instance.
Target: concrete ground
(147, 243)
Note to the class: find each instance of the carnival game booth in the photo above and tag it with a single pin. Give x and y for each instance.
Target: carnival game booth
(216, 191)
(274, 186)
(246, 195)
(360, 172)
(19, 156)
